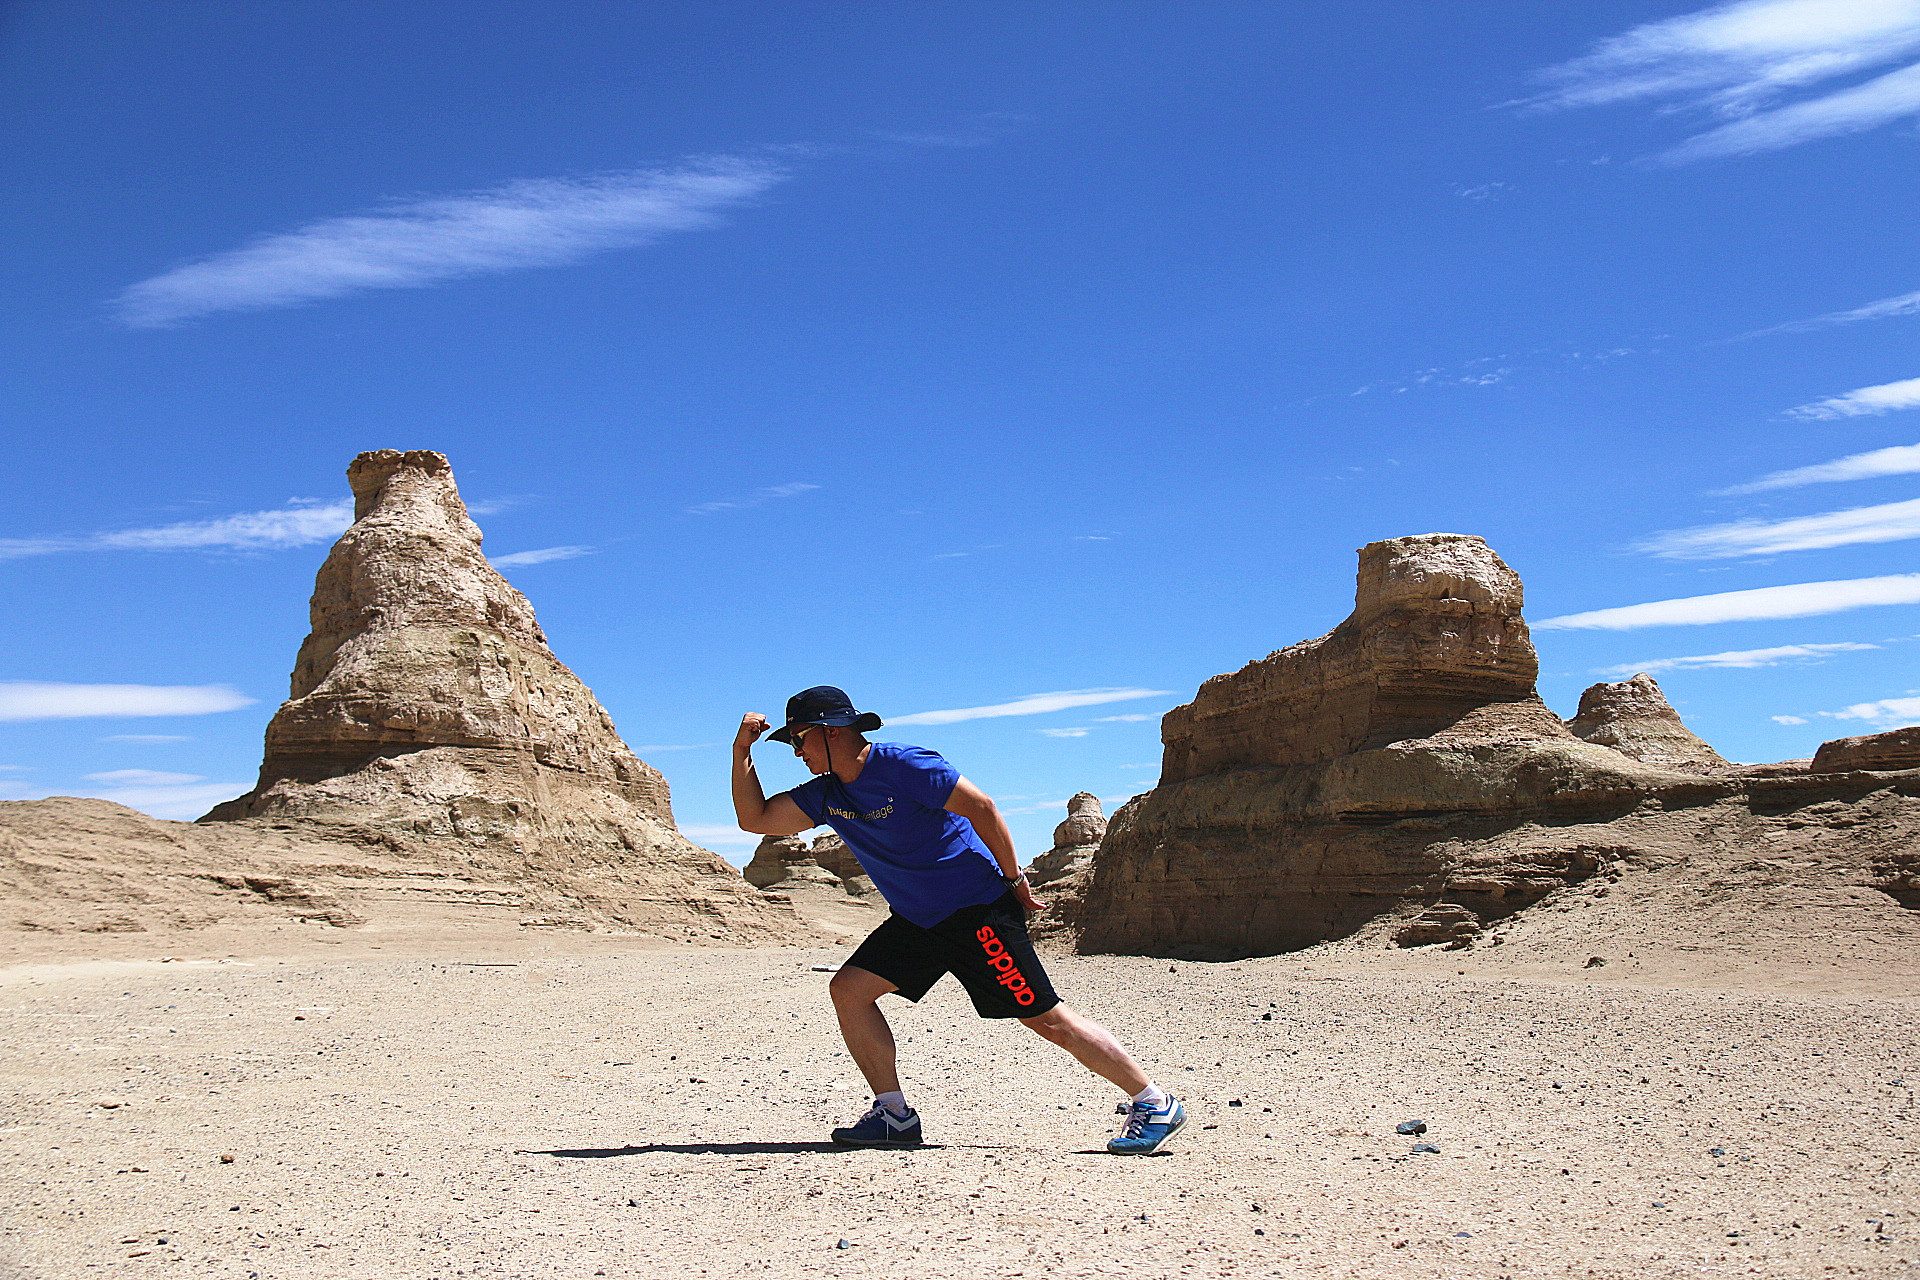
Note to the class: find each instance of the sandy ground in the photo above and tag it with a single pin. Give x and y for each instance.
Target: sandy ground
(574, 1105)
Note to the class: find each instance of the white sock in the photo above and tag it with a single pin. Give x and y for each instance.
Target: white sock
(895, 1102)
(1153, 1095)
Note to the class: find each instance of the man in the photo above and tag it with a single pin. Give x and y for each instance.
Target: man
(939, 851)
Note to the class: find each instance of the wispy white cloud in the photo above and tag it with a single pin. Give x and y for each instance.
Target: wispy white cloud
(1064, 733)
(1900, 460)
(718, 835)
(178, 801)
(1737, 658)
(753, 499)
(1487, 371)
(531, 222)
(1122, 719)
(145, 738)
(296, 525)
(1887, 522)
(1788, 719)
(1865, 401)
(1032, 705)
(1893, 96)
(494, 506)
(1904, 304)
(1887, 712)
(40, 700)
(175, 796)
(144, 777)
(1485, 191)
(1491, 371)
(541, 556)
(1739, 61)
(1800, 600)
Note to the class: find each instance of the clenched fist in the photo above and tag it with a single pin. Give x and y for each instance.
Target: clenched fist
(752, 725)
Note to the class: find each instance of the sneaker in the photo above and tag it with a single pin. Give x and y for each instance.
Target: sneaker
(881, 1128)
(1146, 1129)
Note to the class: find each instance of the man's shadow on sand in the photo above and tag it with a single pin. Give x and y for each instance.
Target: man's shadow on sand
(765, 1149)
(712, 1149)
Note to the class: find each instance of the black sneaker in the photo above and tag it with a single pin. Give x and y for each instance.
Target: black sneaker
(881, 1128)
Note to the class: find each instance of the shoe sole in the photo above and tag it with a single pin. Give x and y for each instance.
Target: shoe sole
(839, 1141)
(1172, 1129)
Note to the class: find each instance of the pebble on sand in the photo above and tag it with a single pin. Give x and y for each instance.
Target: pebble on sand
(1410, 1127)
(1425, 1149)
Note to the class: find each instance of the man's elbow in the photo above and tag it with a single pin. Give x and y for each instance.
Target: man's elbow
(975, 811)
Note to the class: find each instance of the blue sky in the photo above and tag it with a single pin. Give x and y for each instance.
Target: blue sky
(957, 354)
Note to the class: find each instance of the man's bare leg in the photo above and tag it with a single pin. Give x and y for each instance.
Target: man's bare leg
(869, 1039)
(1094, 1045)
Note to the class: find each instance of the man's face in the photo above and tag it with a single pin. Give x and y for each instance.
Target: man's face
(810, 744)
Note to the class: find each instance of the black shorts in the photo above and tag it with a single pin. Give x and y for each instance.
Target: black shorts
(986, 947)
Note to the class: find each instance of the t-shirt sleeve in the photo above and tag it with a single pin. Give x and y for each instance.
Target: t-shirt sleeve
(925, 777)
(807, 796)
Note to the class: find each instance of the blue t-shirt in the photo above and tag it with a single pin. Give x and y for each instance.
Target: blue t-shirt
(928, 863)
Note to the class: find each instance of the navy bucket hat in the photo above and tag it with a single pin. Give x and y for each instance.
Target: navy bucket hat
(823, 704)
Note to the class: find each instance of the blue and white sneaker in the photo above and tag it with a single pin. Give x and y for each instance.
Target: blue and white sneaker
(881, 1128)
(1146, 1127)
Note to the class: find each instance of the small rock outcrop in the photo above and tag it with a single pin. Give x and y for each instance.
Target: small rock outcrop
(1073, 841)
(1635, 719)
(831, 852)
(772, 858)
(1398, 782)
(426, 706)
(1060, 874)
(813, 881)
(1894, 749)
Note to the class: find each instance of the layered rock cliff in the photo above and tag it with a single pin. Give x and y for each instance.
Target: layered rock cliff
(1399, 780)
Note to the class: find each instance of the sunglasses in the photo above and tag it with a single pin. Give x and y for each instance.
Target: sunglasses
(798, 736)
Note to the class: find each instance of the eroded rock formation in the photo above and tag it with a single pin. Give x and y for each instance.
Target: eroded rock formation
(1635, 719)
(822, 882)
(426, 708)
(1398, 780)
(1060, 874)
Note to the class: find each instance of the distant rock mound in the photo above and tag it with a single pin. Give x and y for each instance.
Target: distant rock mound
(1398, 782)
(72, 866)
(1894, 749)
(1635, 719)
(430, 722)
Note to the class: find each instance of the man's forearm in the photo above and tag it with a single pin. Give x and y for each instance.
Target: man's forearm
(749, 800)
(993, 832)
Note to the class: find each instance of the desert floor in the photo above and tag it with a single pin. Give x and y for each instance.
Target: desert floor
(492, 1104)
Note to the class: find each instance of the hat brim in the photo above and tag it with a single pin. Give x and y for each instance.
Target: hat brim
(861, 722)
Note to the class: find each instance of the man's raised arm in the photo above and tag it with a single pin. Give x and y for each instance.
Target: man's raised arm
(755, 813)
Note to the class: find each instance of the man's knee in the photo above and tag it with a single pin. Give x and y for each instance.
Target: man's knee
(1055, 1024)
(857, 987)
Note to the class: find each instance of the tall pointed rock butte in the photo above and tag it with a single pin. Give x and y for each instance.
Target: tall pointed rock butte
(427, 703)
